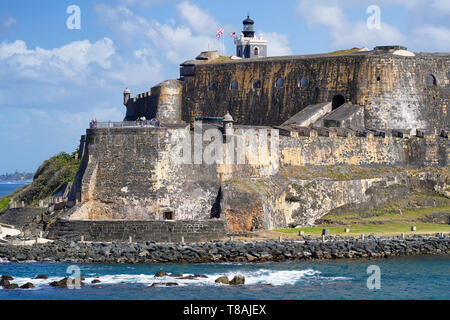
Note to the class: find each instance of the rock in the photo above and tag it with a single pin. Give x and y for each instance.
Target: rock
(155, 284)
(28, 285)
(175, 275)
(4, 283)
(199, 275)
(223, 280)
(171, 284)
(160, 274)
(188, 278)
(238, 280)
(12, 286)
(63, 283)
(42, 276)
(95, 281)
(7, 277)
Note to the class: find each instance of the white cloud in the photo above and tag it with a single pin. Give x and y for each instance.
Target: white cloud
(145, 3)
(278, 44)
(199, 21)
(73, 62)
(433, 37)
(8, 22)
(441, 7)
(345, 33)
(174, 41)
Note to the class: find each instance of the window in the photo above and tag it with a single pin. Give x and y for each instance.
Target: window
(213, 86)
(256, 51)
(234, 85)
(431, 80)
(338, 100)
(168, 215)
(378, 78)
(304, 82)
(279, 83)
(257, 84)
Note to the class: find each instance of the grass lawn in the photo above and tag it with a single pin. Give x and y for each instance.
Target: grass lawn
(392, 224)
(4, 202)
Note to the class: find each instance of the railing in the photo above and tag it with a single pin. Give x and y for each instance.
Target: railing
(125, 124)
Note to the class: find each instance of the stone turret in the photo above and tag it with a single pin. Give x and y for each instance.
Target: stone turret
(126, 96)
(228, 125)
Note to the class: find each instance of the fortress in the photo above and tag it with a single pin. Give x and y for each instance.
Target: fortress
(343, 131)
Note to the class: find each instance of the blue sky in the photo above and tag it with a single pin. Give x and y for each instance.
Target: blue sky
(53, 80)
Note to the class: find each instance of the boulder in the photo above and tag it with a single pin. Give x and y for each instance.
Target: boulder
(238, 280)
(175, 275)
(160, 274)
(42, 276)
(7, 277)
(199, 275)
(188, 278)
(63, 283)
(223, 280)
(171, 284)
(27, 285)
(4, 283)
(95, 281)
(12, 286)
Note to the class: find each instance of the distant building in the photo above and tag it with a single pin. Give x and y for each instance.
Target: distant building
(249, 46)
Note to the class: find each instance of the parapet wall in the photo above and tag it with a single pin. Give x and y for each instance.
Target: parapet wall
(163, 102)
(139, 231)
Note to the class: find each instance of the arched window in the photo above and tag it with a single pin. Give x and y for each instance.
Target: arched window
(234, 85)
(279, 83)
(213, 86)
(431, 80)
(304, 82)
(338, 100)
(257, 84)
(256, 51)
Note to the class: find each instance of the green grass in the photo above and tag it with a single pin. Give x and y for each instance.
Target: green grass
(393, 223)
(4, 202)
(387, 229)
(342, 52)
(51, 176)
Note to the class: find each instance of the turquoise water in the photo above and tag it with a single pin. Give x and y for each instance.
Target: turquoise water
(419, 277)
(8, 187)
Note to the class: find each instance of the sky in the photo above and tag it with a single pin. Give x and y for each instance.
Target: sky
(55, 78)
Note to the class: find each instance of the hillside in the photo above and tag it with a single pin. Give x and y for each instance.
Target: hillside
(48, 179)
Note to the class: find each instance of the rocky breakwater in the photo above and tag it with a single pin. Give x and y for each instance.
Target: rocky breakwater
(150, 252)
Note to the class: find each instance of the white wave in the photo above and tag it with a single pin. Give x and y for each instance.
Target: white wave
(258, 277)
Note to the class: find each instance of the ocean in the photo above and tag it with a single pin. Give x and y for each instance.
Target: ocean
(412, 277)
(8, 187)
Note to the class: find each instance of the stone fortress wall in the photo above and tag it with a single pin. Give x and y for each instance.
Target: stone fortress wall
(397, 92)
(127, 174)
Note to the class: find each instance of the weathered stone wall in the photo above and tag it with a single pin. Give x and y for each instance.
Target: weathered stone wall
(128, 174)
(163, 102)
(158, 231)
(371, 150)
(392, 88)
(22, 216)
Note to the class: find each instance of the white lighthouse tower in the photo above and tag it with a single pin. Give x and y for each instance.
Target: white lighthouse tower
(249, 46)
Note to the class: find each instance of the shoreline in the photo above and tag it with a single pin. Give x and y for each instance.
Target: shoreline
(226, 252)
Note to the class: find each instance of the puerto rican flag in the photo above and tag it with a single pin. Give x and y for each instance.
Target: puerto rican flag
(219, 32)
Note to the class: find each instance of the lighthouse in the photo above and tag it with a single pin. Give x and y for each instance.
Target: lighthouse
(249, 46)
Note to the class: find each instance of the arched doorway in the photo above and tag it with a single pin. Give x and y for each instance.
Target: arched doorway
(338, 100)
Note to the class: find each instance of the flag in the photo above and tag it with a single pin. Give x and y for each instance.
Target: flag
(233, 35)
(219, 32)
